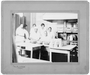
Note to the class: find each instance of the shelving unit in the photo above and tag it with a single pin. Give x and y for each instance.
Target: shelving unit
(71, 32)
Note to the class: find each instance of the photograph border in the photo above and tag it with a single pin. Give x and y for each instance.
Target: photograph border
(53, 67)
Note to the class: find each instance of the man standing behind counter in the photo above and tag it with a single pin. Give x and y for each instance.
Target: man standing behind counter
(22, 36)
(34, 35)
(21, 33)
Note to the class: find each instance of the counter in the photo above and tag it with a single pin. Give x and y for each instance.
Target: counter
(64, 49)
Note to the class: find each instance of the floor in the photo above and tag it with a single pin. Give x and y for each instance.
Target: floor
(30, 60)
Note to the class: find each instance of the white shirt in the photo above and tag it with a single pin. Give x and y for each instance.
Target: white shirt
(48, 38)
(42, 32)
(21, 34)
(50, 35)
(34, 35)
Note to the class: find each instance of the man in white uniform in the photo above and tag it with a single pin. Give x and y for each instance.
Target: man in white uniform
(21, 33)
(21, 37)
(34, 35)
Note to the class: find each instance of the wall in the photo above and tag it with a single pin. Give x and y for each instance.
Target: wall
(27, 20)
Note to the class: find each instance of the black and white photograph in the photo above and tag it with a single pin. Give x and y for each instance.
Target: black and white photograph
(44, 37)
